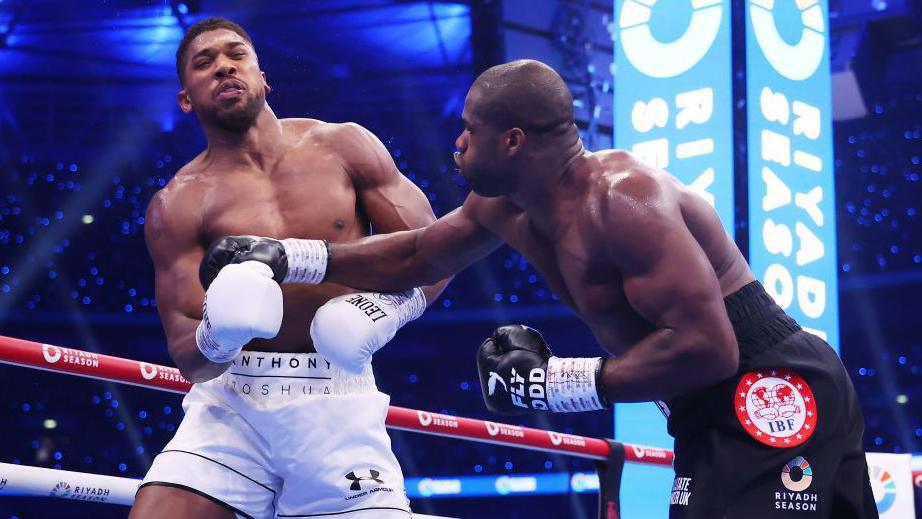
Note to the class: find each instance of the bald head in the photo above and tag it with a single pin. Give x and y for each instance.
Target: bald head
(526, 94)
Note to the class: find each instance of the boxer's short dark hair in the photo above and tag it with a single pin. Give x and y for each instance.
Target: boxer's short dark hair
(208, 24)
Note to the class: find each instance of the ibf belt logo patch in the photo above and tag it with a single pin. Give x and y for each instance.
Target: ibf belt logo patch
(776, 407)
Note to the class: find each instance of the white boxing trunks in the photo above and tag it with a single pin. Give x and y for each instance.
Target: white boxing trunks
(286, 435)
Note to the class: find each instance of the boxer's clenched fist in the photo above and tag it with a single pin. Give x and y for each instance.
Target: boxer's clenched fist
(291, 260)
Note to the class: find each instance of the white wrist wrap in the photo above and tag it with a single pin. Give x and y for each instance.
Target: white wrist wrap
(571, 384)
(307, 260)
(210, 348)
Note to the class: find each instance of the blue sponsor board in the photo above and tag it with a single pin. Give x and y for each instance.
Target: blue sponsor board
(674, 109)
(791, 192)
(506, 485)
(673, 92)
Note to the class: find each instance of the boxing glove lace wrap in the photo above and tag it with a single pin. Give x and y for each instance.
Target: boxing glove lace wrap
(307, 260)
(410, 304)
(572, 384)
(210, 348)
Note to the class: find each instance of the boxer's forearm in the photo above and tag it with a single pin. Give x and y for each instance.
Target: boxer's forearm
(407, 259)
(663, 365)
(388, 263)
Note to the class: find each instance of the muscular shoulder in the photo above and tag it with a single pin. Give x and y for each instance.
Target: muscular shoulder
(174, 212)
(186, 187)
(628, 196)
(364, 156)
(301, 127)
(338, 137)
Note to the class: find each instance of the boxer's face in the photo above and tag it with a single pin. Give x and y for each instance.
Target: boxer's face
(481, 157)
(222, 81)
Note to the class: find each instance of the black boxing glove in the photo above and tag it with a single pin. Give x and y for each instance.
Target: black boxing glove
(291, 260)
(518, 374)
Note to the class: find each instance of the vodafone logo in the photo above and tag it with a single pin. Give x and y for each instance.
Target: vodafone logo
(492, 428)
(148, 371)
(51, 353)
(425, 419)
(917, 480)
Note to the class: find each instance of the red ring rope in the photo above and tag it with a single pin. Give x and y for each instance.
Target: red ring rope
(105, 367)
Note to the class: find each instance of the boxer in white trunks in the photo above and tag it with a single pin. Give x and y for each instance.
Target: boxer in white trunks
(283, 420)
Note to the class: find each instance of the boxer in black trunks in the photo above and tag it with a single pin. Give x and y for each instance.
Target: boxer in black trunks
(766, 421)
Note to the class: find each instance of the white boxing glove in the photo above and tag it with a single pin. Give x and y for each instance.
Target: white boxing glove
(349, 329)
(241, 304)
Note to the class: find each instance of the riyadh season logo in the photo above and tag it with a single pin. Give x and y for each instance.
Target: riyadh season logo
(883, 486)
(797, 475)
(439, 420)
(659, 59)
(149, 372)
(800, 60)
(62, 489)
(558, 439)
(514, 431)
(51, 353)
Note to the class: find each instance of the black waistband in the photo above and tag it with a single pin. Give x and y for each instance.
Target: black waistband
(758, 321)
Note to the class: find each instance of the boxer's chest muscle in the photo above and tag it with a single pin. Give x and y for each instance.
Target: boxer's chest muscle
(301, 197)
(592, 288)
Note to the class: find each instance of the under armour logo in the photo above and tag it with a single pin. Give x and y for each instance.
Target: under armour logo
(357, 480)
(491, 383)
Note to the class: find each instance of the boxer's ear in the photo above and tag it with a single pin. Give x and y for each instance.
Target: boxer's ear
(266, 82)
(185, 102)
(513, 141)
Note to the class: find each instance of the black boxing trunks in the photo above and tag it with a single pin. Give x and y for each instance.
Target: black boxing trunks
(781, 438)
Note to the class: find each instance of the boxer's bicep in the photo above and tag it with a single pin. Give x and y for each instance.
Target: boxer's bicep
(668, 279)
(388, 198)
(172, 242)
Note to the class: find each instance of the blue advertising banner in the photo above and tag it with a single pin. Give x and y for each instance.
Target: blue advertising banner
(791, 192)
(674, 109)
(673, 92)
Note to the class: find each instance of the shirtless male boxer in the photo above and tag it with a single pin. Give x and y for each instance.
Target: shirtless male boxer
(765, 419)
(293, 425)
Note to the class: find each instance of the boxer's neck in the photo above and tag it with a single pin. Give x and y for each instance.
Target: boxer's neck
(263, 141)
(550, 183)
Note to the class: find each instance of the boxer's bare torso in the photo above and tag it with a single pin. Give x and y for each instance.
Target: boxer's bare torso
(571, 245)
(640, 258)
(322, 180)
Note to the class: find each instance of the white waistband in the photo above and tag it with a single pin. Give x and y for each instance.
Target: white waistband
(271, 374)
